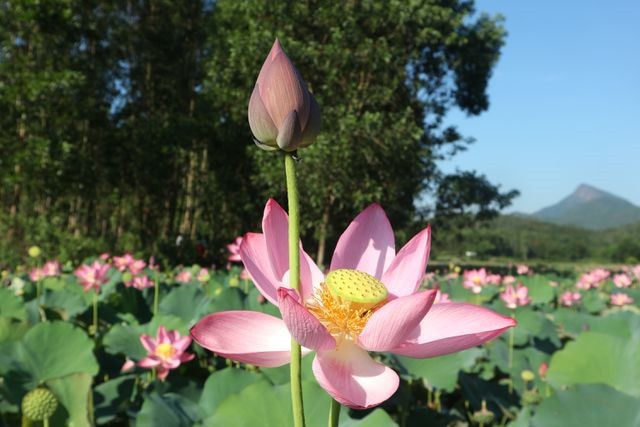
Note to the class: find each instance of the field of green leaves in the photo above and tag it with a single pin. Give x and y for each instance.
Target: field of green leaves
(101, 344)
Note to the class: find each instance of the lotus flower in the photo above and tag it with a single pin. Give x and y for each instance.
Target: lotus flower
(92, 276)
(122, 262)
(165, 352)
(282, 112)
(36, 274)
(475, 280)
(622, 280)
(234, 250)
(620, 299)
(515, 297)
(369, 301)
(508, 280)
(142, 282)
(522, 269)
(51, 268)
(185, 276)
(569, 298)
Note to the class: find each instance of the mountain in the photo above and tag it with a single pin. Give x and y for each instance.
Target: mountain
(591, 208)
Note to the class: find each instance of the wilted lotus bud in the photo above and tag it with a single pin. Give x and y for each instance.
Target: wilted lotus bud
(282, 112)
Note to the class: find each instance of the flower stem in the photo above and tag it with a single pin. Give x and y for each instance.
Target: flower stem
(156, 291)
(513, 315)
(334, 413)
(95, 313)
(294, 282)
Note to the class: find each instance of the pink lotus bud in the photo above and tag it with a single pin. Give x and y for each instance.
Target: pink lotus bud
(282, 112)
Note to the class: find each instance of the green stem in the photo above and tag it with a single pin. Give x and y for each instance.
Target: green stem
(511, 334)
(334, 413)
(156, 291)
(95, 313)
(294, 282)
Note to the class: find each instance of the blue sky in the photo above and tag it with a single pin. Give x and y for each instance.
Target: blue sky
(565, 102)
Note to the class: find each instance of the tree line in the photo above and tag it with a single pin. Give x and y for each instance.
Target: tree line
(123, 123)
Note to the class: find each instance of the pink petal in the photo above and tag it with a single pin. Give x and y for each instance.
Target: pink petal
(163, 337)
(448, 328)
(148, 362)
(404, 275)
(162, 373)
(275, 225)
(182, 344)
(352, 378)
(390, 325)
(128, 365)
(367, 244)
(283, 91)
(260, 121)
(255, 256)
(148, 343)
(304, 326)
(276, 48)
(185, 357)
(245, 336)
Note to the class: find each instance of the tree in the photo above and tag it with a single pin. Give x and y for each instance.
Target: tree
(384, 73)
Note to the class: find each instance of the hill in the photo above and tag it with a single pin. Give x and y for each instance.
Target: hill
(591, 208)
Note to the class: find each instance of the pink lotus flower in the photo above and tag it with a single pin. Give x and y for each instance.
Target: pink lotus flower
(441, 297)
(51, 268)
(122, 262)
(282, 112)
(569, 298)
(522, 269)
(636, 271)
(165, 352)
(508, 280)
(142, 282)
(136, 266)
(494, 279)
(234, 250)
(622, 280)
(184, 276)
(203, 275)
(369, 301)
(92, 276)
(620, 299)
(475, 280)
(515, 297)
(592, 279)
(36, 274)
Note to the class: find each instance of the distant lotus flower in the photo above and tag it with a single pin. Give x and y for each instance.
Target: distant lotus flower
(136, 266)
(244, 275)
(542, 369)
(165, 352)
(36, 274)
(203, 275)
(104, 256)
(620, 299)
(522, 269)
(184, 276)
(592, 279)
(494, 279)
(515, 297)
(369, 301)
(282, 112)
(475, 280)
(122, 262)
(441, 297)
(92, 276)
(508, 280)
(636, 271)
(569, 298)
(234, 250)
(142, 282)
(51, 268)
(622, 280)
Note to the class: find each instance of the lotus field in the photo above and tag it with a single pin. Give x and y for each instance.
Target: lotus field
(101, 344)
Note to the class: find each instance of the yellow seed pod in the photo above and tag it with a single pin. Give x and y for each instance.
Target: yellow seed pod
(34, 252)
(356, 287)
(527, 375)
(39, 404)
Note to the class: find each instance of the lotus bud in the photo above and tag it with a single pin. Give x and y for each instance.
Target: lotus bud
(39, 404)
(283, 114)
